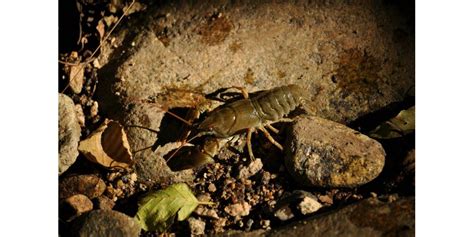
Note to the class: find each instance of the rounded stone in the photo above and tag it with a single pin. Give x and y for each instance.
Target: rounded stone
(69, 133)
(323, 153)
(90, 185)
(106, 223)
(74, 206)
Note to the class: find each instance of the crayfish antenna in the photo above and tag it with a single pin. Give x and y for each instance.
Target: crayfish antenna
(184, 143)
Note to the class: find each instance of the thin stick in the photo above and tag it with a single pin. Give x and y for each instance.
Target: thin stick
(90, 59)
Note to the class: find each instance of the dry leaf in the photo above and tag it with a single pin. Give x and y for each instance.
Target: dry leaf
(107, 146)
(398, 126)
(76, 77)
(157, 210)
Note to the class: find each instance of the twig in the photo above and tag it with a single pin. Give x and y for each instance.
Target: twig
(90, 59)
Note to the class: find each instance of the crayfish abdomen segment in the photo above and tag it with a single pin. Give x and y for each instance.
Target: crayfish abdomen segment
(274, 104)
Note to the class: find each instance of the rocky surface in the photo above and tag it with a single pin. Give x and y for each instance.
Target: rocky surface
(90, 185)
(322, 153)
(370, 217)
(196, 226)
(105, 223)
(69, 133)
(346, 56)
(298, 202)
(75, 206)
(104, 203)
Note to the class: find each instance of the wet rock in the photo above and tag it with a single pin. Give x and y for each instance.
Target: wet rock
(196, 226)
(369, 217)
(322, 153)
(87, 184)
(69, 133)
(105, 223)
(74, 206)
(238, 209)
(104, 203)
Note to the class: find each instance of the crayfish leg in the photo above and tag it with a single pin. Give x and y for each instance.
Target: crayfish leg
(270, 138)
(249, 144)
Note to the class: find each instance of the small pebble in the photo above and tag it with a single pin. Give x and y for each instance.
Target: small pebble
(212, 188)
(326, 199)
(196, 226)
(74, 206)
(309, 205)
(133, 178)
(265, 224)
(94, 109)
(284, 213)
(252, 169)
(120, 184)
(80, 115)
(206, 212)
(238, 209)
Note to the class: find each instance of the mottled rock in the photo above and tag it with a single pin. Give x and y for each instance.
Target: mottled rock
(74, 206)
(69, 133)
(196, 226)
(309, 205)
(104, 203)
(369, 217)
(105, 223)
(351, 65)
(238, 209)
(206, 212)
(298, 202)
(323, 153)
(250, 170)
(90, 185)
(81, 118)
(284, 213)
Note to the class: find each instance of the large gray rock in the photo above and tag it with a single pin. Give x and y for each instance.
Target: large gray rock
(370, 217)
(105, 223)
(351, 58)
(69, 133)
(323, 153)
